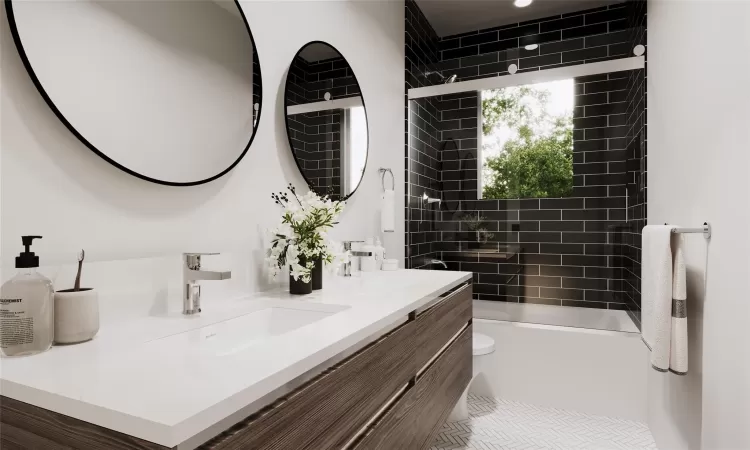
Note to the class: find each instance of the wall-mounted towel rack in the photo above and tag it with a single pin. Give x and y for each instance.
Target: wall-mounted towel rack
(383, 171)
(705, 230)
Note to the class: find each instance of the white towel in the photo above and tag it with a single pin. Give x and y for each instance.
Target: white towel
(388, 212)
(656, 294)
(678, 355)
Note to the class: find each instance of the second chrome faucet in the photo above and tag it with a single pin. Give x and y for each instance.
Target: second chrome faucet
(346, 268)
(191, 274)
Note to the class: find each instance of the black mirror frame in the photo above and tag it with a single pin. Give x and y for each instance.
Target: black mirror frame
(89, 145)
(286, 117)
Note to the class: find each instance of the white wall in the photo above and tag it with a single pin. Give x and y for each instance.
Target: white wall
(698, 165)
(53, 186)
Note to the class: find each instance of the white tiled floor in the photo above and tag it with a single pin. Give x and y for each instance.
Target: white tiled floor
(496, 424)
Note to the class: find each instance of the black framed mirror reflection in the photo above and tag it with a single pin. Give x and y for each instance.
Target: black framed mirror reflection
(326, 120)
(167, 91)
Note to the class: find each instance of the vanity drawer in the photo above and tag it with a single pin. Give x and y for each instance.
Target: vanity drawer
(330, 409)
(438, 324)
(413, 421)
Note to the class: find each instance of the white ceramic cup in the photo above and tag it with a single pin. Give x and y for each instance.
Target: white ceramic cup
(76, 315)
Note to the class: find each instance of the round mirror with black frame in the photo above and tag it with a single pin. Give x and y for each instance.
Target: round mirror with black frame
(167, 91)
(326, 121)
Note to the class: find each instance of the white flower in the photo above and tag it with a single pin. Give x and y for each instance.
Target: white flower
(312, 216)
(292, 254)
(284, 229)
(293, 206)
(297, 271)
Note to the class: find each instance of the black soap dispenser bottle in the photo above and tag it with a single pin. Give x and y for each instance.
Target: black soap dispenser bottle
(26, 308)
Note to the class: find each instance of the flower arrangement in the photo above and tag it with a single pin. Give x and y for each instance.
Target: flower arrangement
(477, 223)
(302, 235)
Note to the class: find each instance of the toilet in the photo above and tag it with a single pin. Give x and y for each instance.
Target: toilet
(482, 346)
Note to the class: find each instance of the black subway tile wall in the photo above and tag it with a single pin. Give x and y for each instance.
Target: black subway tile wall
(560, 251)
(636, 166)
(422, 139)
(459, 114)
(316, 140)
(330, 75)
(316, 136)
(578, 38)
(552, 249)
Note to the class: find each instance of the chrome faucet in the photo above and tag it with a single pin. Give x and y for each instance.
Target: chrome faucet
(191, 274)
(429, 200)
(346, 268)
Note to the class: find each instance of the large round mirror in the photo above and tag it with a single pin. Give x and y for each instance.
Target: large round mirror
(326, 120)
(166, 90)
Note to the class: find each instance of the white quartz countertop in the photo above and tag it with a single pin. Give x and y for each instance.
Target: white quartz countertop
(165, 378)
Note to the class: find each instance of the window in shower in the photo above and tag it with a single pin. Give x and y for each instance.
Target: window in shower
(527, 141)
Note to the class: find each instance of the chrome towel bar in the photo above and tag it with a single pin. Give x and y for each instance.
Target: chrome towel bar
(705, 230)
(383, 171)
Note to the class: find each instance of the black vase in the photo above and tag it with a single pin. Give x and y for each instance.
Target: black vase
(299, 287)
(317, 274)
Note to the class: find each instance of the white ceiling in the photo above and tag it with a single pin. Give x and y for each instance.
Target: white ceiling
(459, 16)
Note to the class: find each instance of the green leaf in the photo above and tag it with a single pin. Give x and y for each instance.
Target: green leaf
(532, 165)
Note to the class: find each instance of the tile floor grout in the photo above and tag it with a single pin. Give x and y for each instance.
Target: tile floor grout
(496, 424)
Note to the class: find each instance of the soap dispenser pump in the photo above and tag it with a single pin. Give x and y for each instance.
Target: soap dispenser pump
(26, 307)
(27, 259)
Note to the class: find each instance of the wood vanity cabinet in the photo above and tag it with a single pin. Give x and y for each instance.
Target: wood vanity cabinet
(393, 394)
(414, 420)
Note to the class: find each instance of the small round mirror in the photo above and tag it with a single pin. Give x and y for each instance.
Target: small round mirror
(638, 50)
(326, 121)
(168, 91)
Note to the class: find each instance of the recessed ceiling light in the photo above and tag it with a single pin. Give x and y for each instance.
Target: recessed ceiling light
(522, 3)
(532, 47)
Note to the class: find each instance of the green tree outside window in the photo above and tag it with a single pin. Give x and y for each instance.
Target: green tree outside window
(537, 159)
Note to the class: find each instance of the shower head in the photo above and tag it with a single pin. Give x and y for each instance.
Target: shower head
(446, 80)
(430, 200)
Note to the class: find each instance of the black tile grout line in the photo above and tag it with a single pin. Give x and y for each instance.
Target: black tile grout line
(515, 47)
(539, 22)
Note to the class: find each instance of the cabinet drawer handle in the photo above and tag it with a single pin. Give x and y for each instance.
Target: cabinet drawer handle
(439, 300)
(442, 350)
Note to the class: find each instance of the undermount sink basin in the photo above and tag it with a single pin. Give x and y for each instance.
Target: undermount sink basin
(234, 335)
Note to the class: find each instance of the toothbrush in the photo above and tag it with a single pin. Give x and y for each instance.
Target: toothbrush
(77, 286)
